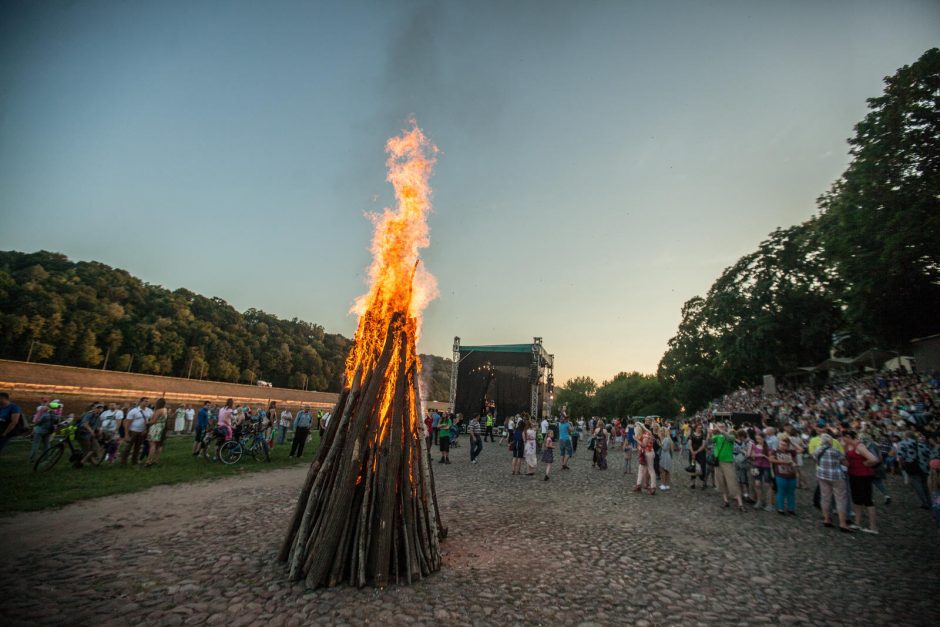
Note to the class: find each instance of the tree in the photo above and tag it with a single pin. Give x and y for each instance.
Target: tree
(881, 219)
(577, 395)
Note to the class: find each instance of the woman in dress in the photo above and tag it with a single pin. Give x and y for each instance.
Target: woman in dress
(157, 432)
(530, 458)
(601, 439)
(646, 470)
(667, 447)
(548, 452)
(763, 477)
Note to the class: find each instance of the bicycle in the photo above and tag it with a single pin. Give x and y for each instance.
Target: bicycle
(251, 443)
(65, 436)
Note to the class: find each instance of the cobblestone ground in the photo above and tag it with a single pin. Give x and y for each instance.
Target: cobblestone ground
(579, 548)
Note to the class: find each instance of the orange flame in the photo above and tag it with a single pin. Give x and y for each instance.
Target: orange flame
(397, 282)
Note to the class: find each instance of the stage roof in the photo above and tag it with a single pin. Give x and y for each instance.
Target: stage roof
(500, 348)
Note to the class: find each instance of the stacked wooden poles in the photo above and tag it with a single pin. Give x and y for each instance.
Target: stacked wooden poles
(367, 513)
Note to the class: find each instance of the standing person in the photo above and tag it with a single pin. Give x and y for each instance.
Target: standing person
(548, 452)
(226, 416)
(933, 484)
(302, 424)
(109, 436)
(697, 458)
(190, 418)
(89, 427)
(628, 440)
(50, 416)
(783, 461)
(829, 477)
(428, 428)
(517, 446)
(135, 427)
(476, 443)
(507, 432)
(543, 428)
(11, 419)
(179, 419)
(601, 443)
(576, 435)
(530, 458)
(444, 424)
(157, 432)
(490, 421)
(914, 455)
(667, 447)
(763, 475)
(724, 472)
(202, 423)
(742, 462)
(435, 423)
(645, 470)
(564, 441)
(321, 424)
(284, 423)
(861, 474)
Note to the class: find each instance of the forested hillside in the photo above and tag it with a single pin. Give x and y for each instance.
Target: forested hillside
(86, 313)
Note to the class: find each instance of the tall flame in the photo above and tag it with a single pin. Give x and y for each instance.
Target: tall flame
(397, 282)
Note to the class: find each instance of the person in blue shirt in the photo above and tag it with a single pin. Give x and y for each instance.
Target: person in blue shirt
(302, 424)
(435, 421)
(11, 419)
(202, 423)
(564, 441)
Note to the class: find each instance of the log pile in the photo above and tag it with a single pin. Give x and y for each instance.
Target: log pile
(367, 513)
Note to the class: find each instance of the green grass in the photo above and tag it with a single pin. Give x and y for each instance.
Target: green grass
(23, 490)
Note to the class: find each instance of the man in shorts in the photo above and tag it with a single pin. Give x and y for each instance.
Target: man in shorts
(202, 423)
(564, 441)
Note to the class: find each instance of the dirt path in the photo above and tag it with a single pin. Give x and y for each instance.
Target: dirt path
(150, 512)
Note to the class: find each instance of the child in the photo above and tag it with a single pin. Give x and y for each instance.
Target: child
(548, 452)
(627, 454)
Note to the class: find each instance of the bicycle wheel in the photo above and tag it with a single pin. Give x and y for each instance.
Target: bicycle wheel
(231, 452)
(49, 458)
(260, 452)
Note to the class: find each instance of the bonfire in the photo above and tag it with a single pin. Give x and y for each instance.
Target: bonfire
(367, 513)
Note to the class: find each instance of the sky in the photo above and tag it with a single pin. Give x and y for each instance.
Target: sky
(601, 162)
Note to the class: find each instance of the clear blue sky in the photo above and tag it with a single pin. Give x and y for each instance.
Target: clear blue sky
(601, 162)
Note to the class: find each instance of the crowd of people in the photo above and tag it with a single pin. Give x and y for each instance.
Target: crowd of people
(840, 439)
(122, 433)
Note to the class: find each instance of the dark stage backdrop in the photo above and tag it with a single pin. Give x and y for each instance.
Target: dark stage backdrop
(508, 370)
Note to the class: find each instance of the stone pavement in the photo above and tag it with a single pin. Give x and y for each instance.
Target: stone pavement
(578, 549)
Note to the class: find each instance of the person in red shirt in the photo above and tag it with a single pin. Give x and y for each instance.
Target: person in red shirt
(862, 464)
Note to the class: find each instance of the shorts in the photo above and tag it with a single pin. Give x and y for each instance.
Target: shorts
(444, 442)
(518, 450)
(564, 447)
(200, 434)
(763, 475)
(861, 491)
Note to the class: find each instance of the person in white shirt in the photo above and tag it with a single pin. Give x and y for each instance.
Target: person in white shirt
(544, 426)
(179, 419)
(109, 430)
(190, 416)
(135, 430)
(283, 425)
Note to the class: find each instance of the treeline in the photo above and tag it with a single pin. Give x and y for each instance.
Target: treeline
(863, 273)
(89, 314)
(627, 394)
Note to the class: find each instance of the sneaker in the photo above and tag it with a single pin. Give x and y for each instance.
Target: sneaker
(854, 527)
(768, 508)
(791, 513)
(662, 487)
(757, 506)
(874, 532)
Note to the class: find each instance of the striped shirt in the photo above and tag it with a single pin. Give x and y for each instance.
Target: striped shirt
(474, 427)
